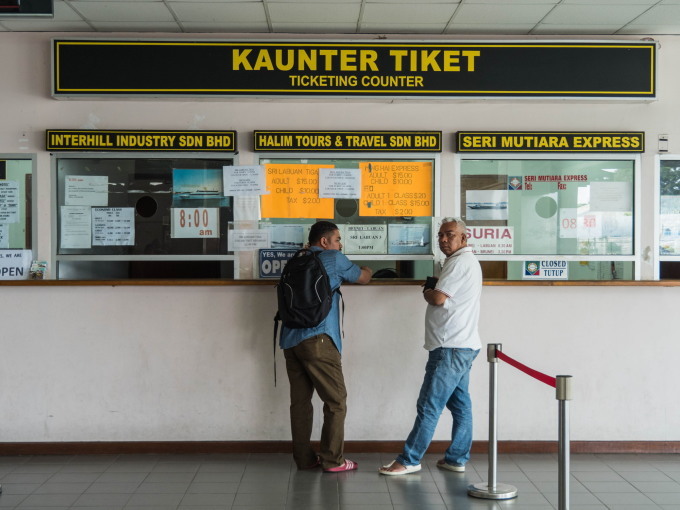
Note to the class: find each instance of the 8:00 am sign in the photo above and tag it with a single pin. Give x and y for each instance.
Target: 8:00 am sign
(195, 222)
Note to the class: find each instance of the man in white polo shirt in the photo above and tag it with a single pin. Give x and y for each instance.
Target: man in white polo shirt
(453, 342)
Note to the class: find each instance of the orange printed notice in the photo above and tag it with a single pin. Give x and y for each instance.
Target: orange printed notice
(393, 188)
(294, 192)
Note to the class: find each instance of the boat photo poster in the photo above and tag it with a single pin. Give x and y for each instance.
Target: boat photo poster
(486, 205)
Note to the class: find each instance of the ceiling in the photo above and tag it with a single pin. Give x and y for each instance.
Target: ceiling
(440, 17)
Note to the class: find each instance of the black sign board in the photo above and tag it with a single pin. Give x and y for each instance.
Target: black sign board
(156, 68)
(86, 140)
(354, 141)
(544, 141)
(13, 9)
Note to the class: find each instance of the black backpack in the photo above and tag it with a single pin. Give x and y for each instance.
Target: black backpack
(304, 291)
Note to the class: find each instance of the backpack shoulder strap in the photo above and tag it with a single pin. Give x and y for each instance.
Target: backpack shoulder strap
(277, 319)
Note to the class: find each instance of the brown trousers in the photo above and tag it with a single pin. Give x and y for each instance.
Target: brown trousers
(315, 364)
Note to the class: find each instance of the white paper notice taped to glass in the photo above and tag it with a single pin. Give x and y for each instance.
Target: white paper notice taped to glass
(113, 226)
(339, 183)
(9, 202)
(76, 227)
(86, 190)
(15, 264)
(244, 180)
(248, 240)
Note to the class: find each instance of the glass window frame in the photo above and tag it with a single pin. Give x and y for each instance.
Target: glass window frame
(387, 155)
(57, 258)
(657, 258)
(34, 197)
(635, 258)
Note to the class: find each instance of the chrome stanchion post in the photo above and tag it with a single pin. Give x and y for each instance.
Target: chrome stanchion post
(563, 387)
(491, 489)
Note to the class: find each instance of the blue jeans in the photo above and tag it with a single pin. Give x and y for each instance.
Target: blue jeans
(447, 376)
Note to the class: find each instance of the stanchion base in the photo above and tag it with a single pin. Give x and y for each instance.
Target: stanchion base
(501, 491)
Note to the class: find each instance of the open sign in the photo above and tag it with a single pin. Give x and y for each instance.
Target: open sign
(272, 262)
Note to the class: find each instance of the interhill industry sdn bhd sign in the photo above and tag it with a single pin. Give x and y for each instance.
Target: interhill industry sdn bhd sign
(139, 140)
(159, 68)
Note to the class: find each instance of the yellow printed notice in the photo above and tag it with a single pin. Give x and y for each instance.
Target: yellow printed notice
(396, 188)
(294, 192)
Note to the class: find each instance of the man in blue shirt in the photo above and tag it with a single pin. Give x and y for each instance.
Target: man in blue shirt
(313, 362)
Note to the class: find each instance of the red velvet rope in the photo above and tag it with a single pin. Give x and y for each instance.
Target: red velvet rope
(550, 381)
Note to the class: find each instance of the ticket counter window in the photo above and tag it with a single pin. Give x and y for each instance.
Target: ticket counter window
(16, 211)
(669, 219)
(550, 218)
(132, 217)
(384, 214)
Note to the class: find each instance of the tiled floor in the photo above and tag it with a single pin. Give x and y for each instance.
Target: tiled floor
(271, 482)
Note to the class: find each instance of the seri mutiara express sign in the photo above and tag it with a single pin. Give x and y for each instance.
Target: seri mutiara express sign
(391, 69)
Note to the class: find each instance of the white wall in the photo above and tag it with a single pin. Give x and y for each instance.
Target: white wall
(195, 363)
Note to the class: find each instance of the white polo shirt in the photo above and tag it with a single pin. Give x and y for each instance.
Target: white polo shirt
(454, 324)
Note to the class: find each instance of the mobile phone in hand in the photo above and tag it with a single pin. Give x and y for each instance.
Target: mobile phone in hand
(430, 282)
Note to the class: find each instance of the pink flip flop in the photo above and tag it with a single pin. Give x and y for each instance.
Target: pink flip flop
(347, 466)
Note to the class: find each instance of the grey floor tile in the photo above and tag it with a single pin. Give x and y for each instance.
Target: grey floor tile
(406, 484)
(427, 498)
(176, 467)
(660, 498)
(312, 499)
(365, 498)
(122, 477)
(419, 506)
(102, 500)
(259, 507)
(25, 478)
(169, 477)
(646, 476)
(623, 498)
(268, 482)
(50, 500)
(78, 467)
(162, 488)
(155, 499)
(112, 488)
(19, 488)
(213, 488)
(609, 487)
(657, 486)
(11, 500)
(100, 507)
(217, 477)
(597, 476)
(277, 486)
(260, 499)
(62, 488)
(71, 477)
(207, 500)
(376, 486)
(202, 507)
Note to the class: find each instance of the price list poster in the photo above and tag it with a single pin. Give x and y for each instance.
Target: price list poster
(294, 192)
(393, 188)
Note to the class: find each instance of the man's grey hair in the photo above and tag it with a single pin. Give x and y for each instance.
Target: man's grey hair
(459, 223)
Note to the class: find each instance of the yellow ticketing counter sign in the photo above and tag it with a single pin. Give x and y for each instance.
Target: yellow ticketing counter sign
(294, 192)
(396, 188)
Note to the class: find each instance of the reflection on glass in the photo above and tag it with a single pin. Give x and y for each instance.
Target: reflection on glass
(555, 207)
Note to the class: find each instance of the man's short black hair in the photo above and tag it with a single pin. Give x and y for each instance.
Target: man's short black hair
(321, 229)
